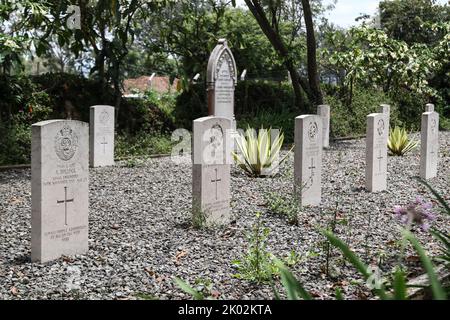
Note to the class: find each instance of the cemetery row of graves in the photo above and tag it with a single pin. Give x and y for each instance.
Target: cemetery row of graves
(80, 226)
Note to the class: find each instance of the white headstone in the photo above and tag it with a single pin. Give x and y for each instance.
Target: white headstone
(376, 152)
(211, 169)
(308, 159)
(221, 81)
(244, 75)
(386, 109)
(324, 112)
(429, 108)
(59, 188)
(429, 149)
(101, 136)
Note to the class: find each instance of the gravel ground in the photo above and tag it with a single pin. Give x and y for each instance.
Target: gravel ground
(141, 236)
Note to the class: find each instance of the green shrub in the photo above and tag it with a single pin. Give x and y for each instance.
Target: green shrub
(410, 108)
(21, 106)
(15, 144)
(141, 145)
(81, 92)
(286, 206)
(350, 120)
(258, 99)
(283, 120)
(190, 105)
(258, 263)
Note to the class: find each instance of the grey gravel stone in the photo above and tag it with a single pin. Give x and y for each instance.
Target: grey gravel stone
(140, 225)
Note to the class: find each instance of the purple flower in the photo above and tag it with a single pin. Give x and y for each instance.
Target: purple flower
(417, 212)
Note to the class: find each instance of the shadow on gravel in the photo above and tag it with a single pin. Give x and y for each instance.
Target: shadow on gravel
(186, 225)
(348, 145)
(19, 260)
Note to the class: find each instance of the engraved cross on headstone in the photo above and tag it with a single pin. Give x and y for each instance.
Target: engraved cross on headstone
(216, 181)
(65, 201)
(104, 143)
(312, 169)
(379, 160)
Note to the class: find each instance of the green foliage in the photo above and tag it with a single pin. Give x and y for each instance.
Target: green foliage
(146, 296)
(374, 58)
(74, 90)
(21, 106)
(294, 290)
(355, 261)
(197, 295)
(442, 236)
(258, 264)
(189, 30)
(438, 292)
(406, 19)
(15, 144)
(286, 206)
(259, 153)
(202, 290)
(350, 119)
(399, 142)
(283, 120)
(190, 105)
(141, 145)
(256, 103)
(152, 115)
(255, 97)
(411, 74)
(143, 125)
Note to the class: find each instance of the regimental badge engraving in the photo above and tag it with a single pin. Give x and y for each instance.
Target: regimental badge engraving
(313, 130)
(380, 127)
(66, 143)
(216, 138)
(104, 117)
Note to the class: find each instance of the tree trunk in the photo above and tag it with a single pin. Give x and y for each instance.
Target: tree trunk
(313, 76)
(277, 43)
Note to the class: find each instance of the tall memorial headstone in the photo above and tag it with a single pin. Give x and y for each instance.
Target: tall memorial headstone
(211, 170)
(429, 107)
(376, 152)
(59, 187)
(386, 109)
(429, 149)
(101, 136)
(324, 112)
(308, 159)
(221, 81)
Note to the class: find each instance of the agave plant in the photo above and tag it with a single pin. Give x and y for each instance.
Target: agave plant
(258, 153)
(399, 142)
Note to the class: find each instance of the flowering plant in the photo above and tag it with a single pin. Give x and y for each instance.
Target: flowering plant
(417, 212)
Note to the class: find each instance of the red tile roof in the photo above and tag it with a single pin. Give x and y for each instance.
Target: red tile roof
(142, 84)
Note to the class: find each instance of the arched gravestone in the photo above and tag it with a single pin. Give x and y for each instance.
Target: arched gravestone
(221, 81)
(211, 170)
(59, 189)
(101, 136)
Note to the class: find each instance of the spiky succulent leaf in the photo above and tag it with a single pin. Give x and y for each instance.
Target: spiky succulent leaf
(399, 143)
